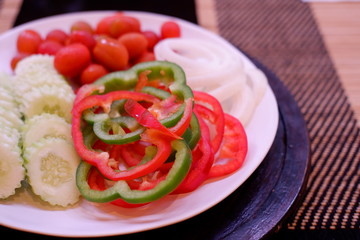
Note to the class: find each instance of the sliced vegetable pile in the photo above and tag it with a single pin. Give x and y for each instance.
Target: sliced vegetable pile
(135, 131)
(143, 134)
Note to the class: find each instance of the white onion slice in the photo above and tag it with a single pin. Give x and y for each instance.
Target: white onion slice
(258, 82)
(205, 63)
(219, 70)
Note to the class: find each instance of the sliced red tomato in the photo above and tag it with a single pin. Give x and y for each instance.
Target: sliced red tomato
(233, 149)
(210, 109)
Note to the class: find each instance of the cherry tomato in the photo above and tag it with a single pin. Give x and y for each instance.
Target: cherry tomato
(81, 36)
(81, 26)
(103, 26)
(49, 47)
(57, 35)
(135, 25)
(123, 24)
(17, 58)
(111, 53)
(92, 73)
(152, 39)
(117, 24)
(146, 56)
(170, 29)
(135, 43)
(28, 41)
(71, 60)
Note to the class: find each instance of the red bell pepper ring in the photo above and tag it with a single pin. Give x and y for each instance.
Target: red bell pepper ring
(233, 149)
(215, 115)
(181, 126)
(87, 90)
(131, 153)
(165, 108)
(149, 181)
(145, 118)
(89, 102)
(101, 159)
(203, 159)
(142, 81)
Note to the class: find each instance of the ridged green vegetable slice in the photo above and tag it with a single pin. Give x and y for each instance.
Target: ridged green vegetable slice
(51, 167)
(48, 99)
(11, 167)
(43, 126)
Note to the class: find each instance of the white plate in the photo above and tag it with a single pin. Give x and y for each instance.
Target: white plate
(26, 212)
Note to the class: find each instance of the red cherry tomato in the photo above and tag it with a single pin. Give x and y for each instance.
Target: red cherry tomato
(81, 36)
(146, 56)
(152, 39)
(135, 43)
(81, 26)
(17, 58)
(49, 47)
(123, 24)
(103, 26)
(57, 35)
(111, 53)
(71, 60)
(117, 24)
(92, 73)
(28, 41)
(170, 29)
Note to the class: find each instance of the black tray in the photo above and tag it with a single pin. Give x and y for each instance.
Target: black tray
(259, 206)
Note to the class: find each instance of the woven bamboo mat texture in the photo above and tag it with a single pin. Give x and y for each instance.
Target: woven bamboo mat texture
(284, 36)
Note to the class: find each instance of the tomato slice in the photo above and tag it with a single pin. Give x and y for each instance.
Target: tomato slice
(233, 149)
(210, 109)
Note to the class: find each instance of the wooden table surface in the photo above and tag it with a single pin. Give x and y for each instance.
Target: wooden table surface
(338, 22)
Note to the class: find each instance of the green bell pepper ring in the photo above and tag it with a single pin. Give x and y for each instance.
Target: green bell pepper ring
(169, 74)
(192, 134)
(102, 128)
(122, 190)
(101, 159)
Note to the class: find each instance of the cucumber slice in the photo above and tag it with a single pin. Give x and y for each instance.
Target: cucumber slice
(35, 64)
(24, 85)
(36, 71)
(6, 94)
(10, 118)
(9, 136)
(9, 105)
(51, 165)
(45, 125)
(12, 171)
(48, 99)
(6, 81)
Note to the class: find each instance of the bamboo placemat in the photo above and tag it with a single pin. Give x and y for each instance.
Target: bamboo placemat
(283, 35)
